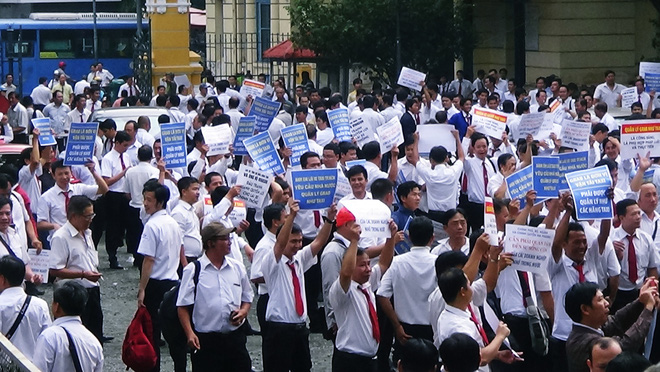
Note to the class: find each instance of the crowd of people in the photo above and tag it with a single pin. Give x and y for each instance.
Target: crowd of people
(434, 294)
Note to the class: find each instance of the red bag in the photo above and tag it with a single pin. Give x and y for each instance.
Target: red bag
(138, 352)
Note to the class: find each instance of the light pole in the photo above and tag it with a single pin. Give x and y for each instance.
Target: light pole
(96, 34)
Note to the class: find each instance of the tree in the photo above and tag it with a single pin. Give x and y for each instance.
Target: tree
(364, 32)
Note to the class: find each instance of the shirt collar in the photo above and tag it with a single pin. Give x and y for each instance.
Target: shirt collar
(420, 249)
(67, 319)
(589, 328)
(457, 311)
(342, 239)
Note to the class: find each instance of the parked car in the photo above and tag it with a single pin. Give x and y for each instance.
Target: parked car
(10, 153)
(123, 114)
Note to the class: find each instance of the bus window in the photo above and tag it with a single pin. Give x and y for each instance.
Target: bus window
(116, 43)
(12, 46)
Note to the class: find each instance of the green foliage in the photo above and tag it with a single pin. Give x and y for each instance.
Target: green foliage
(363, 32)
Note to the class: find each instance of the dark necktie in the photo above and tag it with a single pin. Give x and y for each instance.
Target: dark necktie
(372, 315)
(632, 260)
(121, 160)
(300, 309)
(317, 219)
(485, 174)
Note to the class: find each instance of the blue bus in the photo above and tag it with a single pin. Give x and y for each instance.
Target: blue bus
(46, 39)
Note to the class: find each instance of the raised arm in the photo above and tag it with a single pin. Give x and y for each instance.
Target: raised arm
(471, 268)
(530, 198)
(285, 232)
(100, 182)
(562, 228)
(644, 163)
(349, 261)
(35, 155)
(394, 165)
(323, 235)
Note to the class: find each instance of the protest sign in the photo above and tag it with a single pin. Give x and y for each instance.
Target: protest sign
(411, 78)
(652, 82)
(239, 213)
(555, 105)
(262, 151)
(489, 122)
(217, 138)
(531, 124)
(431, 135)
(589, 189)
(264, 110)
(490, 225)
(314, 188)
(390, 135)
(575, 134)
(173, 138)
(640, 137)
(520, 182)
(571, 162)
(340, 124)
(372, 215)
(343, 187)
(244, 130)
(252, 88)
(295, 138)
(254, 185)
(648, 176)
(40, 263)
(80, 144)
(545, 170)
(362, 132)
(628, 97)
(648, 67)
(46, 137)
(352, 163)
(531, 247)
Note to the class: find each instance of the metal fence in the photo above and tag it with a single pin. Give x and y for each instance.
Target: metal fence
(229, 54)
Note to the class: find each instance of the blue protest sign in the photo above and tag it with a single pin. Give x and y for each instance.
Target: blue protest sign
(340, 123)
(295, 138)
(519, 183)
(571, 162)
(589, 189)
(46, 137)
(264, 110)
(80, 144)
(173, 140)
(652, 81)
(314, 188)
(262, 151)
(545, 171)
(245, 130)
(352, 163)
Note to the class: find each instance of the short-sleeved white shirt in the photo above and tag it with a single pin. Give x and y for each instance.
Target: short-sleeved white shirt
(443, 246)
(73, 250)
(35, 321)
(647, 257)
(111, 166)
(135, 178)
(184, 214)
(454, 320)
(355, 332)
(437, 304)
(263, 248)
(607, 95)
(53, 347)
(52, 207)
(441, 184)
(31, 184)
(162, 240)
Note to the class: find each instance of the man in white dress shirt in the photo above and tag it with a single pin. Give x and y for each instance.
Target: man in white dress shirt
(79, 114)
(222, 298)
(184, 215)
(129, 87)
(21, 330)
(370, 115)
(648, 202)
(67, 333)
(104, 76)
(373, 157)
(41, 94)
(143, 127)
(609, 92)
(478, 169)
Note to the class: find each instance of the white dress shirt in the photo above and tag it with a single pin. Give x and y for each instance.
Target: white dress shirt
(219, 292)
(647, 257)
(325, 136)
(30, 182)
(263, 248)
(41, 95)
(650, 226)
(184, 214)
(476, 189)
(409, 171)
(13, 239)
(454, 320)
(74, 251)
(437, 304)
(52, 204)
(410, 279)
(607, 95)
(278, 277)
(19, 216)
(76, 116)
(131, 89)
(35, 321)
(145, 137)
(441, 184)
(53, 346)
(373, 173)
(135, 179)
(443, 246)
(509, 290)
(373, 118)
(111, 166)
(389, 113)
(162, 240)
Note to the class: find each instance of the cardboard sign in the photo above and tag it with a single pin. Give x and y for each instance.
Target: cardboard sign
(40, 263)
(46, 137)
(489, 122)
(431, 135)
(80, 143)
(640, 137)
(264, 110)
(362, 132)
(490, 224)
(263, 153)
(254, 185)
(531, 247)
(589, 188)
(340, 123)
(575, 134)
(372, 215)
(217, 138)
(244, 131)
(571, 162)
(545, 170)
(411, 78)
(252, 88)
(314, 188)
(295, 138)
(629, 96)
(390, 135)
(173, 143)
(531, 124)
(520, 182)
(239, 213)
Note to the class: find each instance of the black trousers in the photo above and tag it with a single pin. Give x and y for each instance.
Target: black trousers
(557, 352)
(314, 291)
(177, 345)
(286, 348)
(348, 362)
(475, 215)
(222, 352)
(117, 208)
(134, 229)
(99, 221)
(254, 232)
(153, 296)
(386, 340)
(623, 298)
(20, 138)
(262, 305)
(522, 341)
(61, 143)
(92, 315)
(415, 331)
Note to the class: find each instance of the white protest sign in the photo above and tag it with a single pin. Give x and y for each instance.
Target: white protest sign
(40, 263)
(648, 67)
(217, 138)
(372, 215)
(411, 78)
(390, 134)
(640, 137)
(490, 225)
(252, 88)
(255, 184)
(531, 247)
(362, 132)
(545, 133)
(431, 135)
(239, 213)
(628, 97)
(489, 122)
(182, 80)
(575, 134)
(531, 123)
(343, 187)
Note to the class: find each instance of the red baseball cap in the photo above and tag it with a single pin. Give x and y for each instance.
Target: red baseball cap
(344, 216)
(62, 64)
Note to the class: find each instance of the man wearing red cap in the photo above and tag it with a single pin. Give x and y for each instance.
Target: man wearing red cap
(286, 344)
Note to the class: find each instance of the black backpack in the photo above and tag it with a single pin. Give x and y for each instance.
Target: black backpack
(169, 318)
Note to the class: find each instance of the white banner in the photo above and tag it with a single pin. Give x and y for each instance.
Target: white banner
(575, 134)
(431, 135)
(489, 122)
(218, 139)
(390, 135)
(531, 247)
(411, 78)
(254, 184)
(362, 132)
(252, 88)
(372, 215)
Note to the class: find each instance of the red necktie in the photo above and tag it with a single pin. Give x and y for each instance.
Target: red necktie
(473, 318)
(580, 270)
(317, 219)
(300, 308)
(121, 160)
(525, 289)
(485, 172)
(372, 315)
(465, 183)
(66, 199)
(632, 260)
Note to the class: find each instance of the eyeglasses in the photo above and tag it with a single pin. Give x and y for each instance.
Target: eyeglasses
(89, 217)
